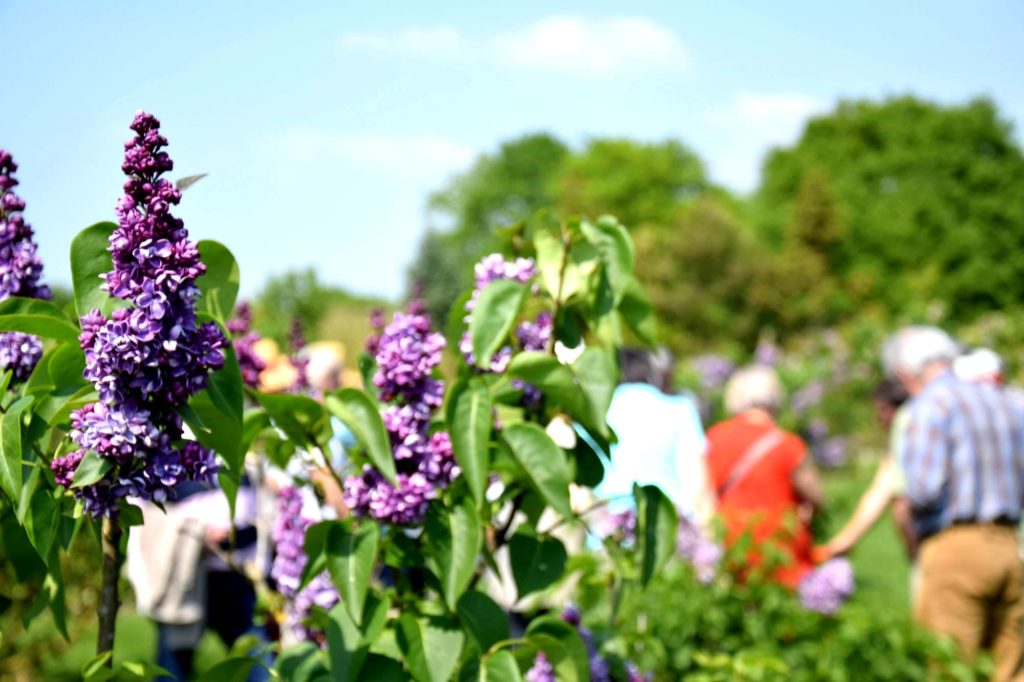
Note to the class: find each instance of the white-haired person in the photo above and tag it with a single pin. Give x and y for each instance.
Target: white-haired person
(963, 460)
(764, 478)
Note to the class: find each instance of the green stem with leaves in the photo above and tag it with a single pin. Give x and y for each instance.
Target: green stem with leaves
(109, 597)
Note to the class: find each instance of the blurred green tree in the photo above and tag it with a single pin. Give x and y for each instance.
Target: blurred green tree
(928, 203)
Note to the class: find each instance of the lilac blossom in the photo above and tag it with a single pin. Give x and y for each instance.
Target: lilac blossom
(289, 535)
(600, 671)
(147, 359)
(697, 549)
(296, 342)
(767, 354)
(541, 671)
(827, 587)
(714, 370)
(20, 272)
(244, 340)
(832, 452)
(633, 674)
(407, 354)
(808, 397)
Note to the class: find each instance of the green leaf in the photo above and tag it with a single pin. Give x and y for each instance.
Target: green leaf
(430, 646)
(131, 515)
(657, 524)
(499, 666)
(315, 545)
(41, 522)
(350, 558)
(95, 669)
(231, 670)
(536, 562)
(299, 663)
(381, 668)
(494, 316)
(638, 313)
(558, 384)
(218, 409)
(91, 469)
(544, 464)
(615, 249)
(470, 420)
(563, 645)
(362, 415)
(453, 540)
(90, 261)
(598, 374)
(485, 621)
(143, 670)
(34, 316)
(10, 448)
(219, 284)
(303, 420)
(347, 645)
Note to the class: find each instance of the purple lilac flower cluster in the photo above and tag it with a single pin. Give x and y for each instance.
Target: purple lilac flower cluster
(694, 546)
(20, 271)
(147, 359)
(599, 668)
(827, 587)
(767, 354)
(296, 342)
(541, 671)
(620, 525)
(495, 267)
(828, 451)
(714, 370)
(377, 324)
(407, 354)
(244, 339)
(289, 535)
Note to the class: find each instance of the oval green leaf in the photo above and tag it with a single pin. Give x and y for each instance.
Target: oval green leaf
(470, 420)
(33, 316)
(494, 316)
(90, 261)
(350, 558)
(454, 539)
(219, 284)
(361, 414)
(657, 524)
(544, 464)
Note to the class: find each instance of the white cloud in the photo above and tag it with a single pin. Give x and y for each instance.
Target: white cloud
(423, 41)
(752, 123)
(601, 47)
(560, 44)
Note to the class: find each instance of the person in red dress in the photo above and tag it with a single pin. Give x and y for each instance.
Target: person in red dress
(766, 483)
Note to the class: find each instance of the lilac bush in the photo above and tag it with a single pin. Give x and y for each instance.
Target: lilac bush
(147, 359)
(20, 272)
(826, 588)
(407, 354)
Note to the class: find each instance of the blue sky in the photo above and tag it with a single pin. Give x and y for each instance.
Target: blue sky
(324, 125)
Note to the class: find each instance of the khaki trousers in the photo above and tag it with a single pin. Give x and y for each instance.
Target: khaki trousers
(972, 589)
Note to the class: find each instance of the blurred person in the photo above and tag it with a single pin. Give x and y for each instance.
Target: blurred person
(660, 439)
(764, 478)
(888, 485)
(188, 572)
(963, 458)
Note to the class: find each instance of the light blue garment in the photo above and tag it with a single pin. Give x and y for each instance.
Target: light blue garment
(661, 442)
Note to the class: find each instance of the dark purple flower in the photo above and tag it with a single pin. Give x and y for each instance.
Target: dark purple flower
(244, 340)
(20, 272)
(147, 359)
(827, 587)
(241, 323)
(541, 670)
(407, 354)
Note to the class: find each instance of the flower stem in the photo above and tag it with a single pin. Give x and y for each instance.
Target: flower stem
(109, 598)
